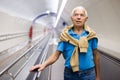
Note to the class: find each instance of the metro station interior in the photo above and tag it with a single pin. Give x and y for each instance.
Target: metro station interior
(30, 30)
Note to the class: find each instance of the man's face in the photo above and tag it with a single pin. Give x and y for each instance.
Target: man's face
(79, 18)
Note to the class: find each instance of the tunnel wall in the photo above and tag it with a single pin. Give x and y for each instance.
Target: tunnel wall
(104, 18)
(15, 30)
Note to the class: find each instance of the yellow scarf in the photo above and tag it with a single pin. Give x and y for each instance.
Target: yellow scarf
(81, 44)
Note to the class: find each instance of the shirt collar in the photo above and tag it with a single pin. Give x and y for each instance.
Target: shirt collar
(71, 32)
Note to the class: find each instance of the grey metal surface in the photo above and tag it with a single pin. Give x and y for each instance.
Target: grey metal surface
(57, 72)
(54, 71)
(110, 70)
(18, 66)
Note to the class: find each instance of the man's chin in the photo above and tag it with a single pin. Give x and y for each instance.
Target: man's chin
(79, 25)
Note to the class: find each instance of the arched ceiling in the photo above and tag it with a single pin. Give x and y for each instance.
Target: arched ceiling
(30, 9)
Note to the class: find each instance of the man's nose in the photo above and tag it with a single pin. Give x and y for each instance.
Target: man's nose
(79, 16)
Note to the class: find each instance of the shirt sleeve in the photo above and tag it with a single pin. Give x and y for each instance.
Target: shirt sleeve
(60, 46)
(94, 43)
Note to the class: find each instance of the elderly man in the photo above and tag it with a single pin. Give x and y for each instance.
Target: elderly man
(78, 44)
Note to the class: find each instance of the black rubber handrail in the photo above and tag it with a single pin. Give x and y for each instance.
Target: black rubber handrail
(34, 75)
(117, 60)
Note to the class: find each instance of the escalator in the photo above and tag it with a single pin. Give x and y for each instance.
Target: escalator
(109, 67)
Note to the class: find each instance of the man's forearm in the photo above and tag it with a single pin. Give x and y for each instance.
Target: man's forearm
(97, 63)
(53, 58)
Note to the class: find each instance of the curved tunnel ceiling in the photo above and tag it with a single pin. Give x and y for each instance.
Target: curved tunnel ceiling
(29, 9)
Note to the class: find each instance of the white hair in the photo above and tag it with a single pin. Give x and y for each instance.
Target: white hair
(79, 7)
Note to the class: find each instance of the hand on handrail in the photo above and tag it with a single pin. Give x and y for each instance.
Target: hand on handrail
(38, 67)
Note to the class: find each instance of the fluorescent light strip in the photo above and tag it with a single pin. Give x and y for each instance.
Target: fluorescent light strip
(60, 12)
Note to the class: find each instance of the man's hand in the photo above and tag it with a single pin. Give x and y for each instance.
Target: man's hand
(38, 67)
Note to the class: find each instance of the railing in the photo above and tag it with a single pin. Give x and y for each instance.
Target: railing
(13, 70)
(5, 37)
(109, 66)
(35, 75)
(111, 57)
(11, 36)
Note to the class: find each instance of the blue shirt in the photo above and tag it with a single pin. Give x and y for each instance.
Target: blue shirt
(85, 59)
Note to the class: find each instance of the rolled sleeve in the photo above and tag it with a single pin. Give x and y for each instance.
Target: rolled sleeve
(94, 43)
(60, 46)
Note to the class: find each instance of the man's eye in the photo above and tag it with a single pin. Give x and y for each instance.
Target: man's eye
(76, 14)
(79, 15)
(82, 15)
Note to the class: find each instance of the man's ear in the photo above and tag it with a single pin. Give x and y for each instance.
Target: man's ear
(86, 18)
(71, 18)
